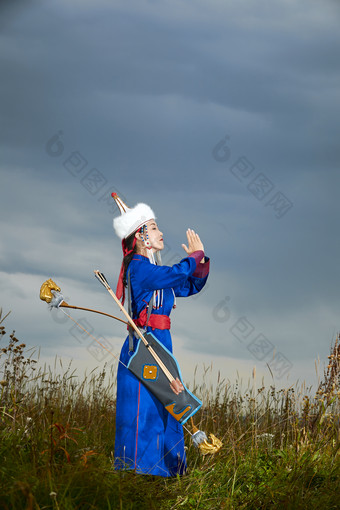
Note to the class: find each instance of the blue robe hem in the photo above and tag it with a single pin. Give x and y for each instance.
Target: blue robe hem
(169, 473)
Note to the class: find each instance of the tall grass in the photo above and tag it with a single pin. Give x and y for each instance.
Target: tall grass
(281, 446)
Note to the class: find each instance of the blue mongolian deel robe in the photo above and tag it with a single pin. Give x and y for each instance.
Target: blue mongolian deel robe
(148, 439)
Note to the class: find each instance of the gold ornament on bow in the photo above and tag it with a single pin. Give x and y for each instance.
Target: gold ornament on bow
(200, 440)
(210, 448)
(46, 288)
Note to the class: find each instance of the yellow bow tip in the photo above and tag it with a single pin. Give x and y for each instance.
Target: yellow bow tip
(210, 448)
(45, 290)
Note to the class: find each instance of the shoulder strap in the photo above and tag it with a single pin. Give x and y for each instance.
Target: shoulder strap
(130, 313)
(150, 305)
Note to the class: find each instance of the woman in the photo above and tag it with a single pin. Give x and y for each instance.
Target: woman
(148, 439)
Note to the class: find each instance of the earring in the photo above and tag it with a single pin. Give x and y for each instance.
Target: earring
(147, 242)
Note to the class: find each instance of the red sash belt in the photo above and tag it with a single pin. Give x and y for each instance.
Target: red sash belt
(155, 321)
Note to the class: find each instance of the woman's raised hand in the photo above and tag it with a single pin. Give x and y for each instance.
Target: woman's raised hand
(194, 242)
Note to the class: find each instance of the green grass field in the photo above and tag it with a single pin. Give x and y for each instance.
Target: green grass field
(280, 446)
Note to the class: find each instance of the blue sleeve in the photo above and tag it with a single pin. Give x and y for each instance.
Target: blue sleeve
(194, 283)
(152, 277)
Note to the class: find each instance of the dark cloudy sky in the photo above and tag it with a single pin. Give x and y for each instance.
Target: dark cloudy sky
(223, 116)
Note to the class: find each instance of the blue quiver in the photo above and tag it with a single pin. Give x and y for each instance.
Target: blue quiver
(143, 365)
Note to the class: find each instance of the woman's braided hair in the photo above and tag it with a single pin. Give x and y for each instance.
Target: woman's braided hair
(127, 259)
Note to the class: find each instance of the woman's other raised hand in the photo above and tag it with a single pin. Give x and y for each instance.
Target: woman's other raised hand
(194, 242)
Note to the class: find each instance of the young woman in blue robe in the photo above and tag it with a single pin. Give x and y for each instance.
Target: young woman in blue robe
(148, 439)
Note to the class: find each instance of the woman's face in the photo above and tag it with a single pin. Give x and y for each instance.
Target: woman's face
(155, 235)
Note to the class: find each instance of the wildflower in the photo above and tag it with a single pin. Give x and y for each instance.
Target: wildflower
(266, 439)
(53, 494)
(3, 383)
(265, 435)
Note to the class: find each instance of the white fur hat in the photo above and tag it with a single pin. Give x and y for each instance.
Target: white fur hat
(130, 220)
